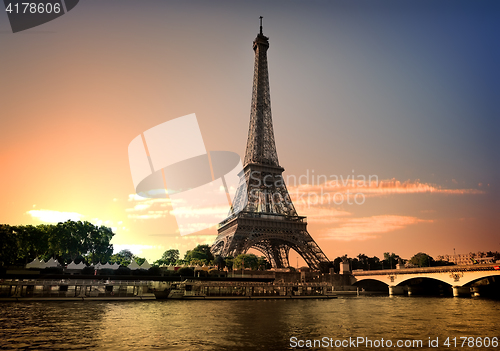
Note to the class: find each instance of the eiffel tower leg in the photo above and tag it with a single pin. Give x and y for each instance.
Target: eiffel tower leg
(276, 254)
(282, 256)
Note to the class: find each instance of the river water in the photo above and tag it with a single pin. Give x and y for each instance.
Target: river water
(250, 325)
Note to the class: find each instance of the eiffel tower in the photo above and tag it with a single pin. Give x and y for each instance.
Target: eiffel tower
(263, 216)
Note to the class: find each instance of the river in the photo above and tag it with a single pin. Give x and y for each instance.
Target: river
(251, 325)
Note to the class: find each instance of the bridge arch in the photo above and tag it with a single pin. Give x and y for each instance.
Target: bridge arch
(405, 280)
(381, 279)
(472, 280)
(372, 285)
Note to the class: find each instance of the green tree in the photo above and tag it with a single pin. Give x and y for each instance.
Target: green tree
(197, 262)
(246, 261)
(180, 262)
(391, 260)
(71, 239)
(374, 263)
(41, 241)
(100, 249)
(170, 256)
(200, 252)
(206, 250)
(219, 262)
(127, 254)
(64, 241)
(139, 260)
(355, 264)
(229, 260)
(422, 260)
(263, 263)
(363, 261)
(9, 247)
(123, 258)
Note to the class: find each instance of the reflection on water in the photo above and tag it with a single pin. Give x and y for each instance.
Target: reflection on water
(40, 325)
(239, 325)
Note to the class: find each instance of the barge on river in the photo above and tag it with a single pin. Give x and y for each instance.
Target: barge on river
(238, 290)
(87, 289)
(74, 289)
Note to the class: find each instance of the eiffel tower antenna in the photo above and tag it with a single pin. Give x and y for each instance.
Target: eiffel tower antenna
(263, 216)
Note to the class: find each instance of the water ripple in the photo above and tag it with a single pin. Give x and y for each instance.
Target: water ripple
(242, 325)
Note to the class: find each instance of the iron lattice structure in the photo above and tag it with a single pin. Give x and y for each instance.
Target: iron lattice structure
(268, 221)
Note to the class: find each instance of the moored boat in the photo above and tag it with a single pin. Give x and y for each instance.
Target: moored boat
(238, 290)
(74, 289)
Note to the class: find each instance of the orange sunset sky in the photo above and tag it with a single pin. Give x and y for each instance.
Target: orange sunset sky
(404, 91)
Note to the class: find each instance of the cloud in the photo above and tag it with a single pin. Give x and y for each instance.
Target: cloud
(188, 211)
(354, 191)
(51, 216)
(147, 208)
(149, 215)
(189, 218)
(365, 228)
(393, 186)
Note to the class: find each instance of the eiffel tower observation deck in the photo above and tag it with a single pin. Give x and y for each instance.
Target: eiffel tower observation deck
(263, 216)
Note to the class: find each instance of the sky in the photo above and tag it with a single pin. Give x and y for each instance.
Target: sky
(397, 100)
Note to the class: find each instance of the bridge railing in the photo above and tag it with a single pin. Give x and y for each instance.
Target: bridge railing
(440, 269)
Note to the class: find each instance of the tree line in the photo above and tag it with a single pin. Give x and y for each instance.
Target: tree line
(69, 241)
(201, 255)
(84, 242)
(389, 261)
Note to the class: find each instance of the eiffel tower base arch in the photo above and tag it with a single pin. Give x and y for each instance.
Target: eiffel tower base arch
(273, 236)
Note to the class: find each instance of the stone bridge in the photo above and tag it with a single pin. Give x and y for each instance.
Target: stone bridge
(460, 278)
